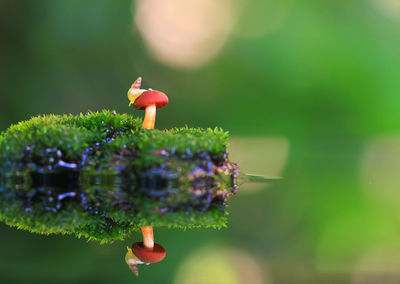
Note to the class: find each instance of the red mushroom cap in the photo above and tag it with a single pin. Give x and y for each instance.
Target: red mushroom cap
(149, 255)
(150, 97)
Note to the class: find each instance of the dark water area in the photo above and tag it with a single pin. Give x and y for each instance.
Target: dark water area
(58, 187)
(112, 200)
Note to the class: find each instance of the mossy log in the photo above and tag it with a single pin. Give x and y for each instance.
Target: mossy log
(100, 176)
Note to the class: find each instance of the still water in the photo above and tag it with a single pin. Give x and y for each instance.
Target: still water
(332, 218)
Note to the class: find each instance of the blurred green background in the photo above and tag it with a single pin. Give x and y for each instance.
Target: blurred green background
(309, 90)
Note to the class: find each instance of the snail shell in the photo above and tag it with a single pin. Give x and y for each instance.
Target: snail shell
(137, 84)
(134, 92)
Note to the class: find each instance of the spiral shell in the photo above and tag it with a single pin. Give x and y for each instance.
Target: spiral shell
(132, 261)
(134, 92)
(135, 269)
(137, 84)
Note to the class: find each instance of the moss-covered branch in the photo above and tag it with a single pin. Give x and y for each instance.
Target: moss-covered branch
(51, 166)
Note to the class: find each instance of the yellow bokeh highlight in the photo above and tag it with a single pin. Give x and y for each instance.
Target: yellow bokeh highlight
(222, 265)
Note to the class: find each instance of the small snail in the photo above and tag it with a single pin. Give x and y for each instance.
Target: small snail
(134, 92)
(133, 261)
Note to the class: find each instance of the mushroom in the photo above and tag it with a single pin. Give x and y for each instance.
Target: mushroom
(148, 251)
(149, 101)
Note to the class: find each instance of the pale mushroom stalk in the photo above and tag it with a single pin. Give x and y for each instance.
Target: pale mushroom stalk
(149, 117)
(148, 236)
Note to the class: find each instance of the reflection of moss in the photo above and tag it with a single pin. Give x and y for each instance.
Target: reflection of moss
(177, 178)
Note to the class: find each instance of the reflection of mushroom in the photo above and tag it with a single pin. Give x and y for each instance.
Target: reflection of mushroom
(147, 251)
(149, 100)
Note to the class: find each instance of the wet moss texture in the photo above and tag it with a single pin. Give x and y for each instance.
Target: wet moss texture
(100, 176)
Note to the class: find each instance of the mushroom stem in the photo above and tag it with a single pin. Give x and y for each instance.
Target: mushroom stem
(148, 123)
(149, 117)
(148, 237)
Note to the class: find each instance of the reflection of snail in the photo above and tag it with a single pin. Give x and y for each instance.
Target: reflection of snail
(132, 261)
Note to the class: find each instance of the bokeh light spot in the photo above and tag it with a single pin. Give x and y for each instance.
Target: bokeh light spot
(378, 266)
(185, 33)
(390, 8)
(212, 264)
(380, 168)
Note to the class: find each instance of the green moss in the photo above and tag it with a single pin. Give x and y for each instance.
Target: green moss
(115, 176)
(30, 143)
